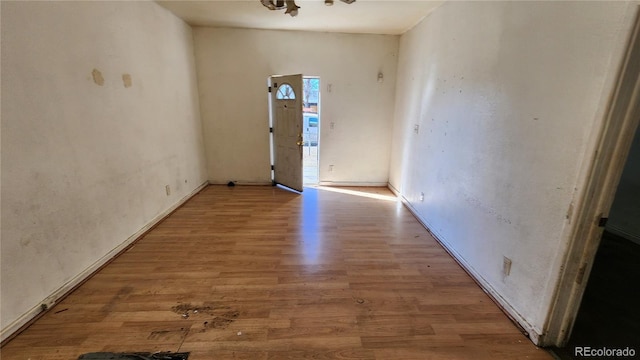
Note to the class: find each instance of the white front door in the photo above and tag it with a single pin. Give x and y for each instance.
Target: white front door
(286, 115)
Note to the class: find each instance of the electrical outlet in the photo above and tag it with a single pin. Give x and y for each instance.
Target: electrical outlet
(416, 128)
(421, 196)
(330, 167)
(506, 266)
(167, 188)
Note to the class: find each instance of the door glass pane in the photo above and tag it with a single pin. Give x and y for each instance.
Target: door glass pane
(285, 92)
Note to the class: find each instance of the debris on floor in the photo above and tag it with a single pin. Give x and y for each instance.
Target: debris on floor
(186, 308)
(134, 356)
(216, 316)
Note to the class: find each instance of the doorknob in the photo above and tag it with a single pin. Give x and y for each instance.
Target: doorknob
(299, 143)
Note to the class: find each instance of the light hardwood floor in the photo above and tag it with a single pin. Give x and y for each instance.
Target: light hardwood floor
(263, 273)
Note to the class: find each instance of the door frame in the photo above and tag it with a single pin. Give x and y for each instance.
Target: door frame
(605, 170)
(319, 124)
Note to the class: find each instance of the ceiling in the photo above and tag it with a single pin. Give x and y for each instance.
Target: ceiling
(363, 16)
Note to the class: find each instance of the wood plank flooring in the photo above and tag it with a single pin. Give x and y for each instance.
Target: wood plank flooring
(263, 273)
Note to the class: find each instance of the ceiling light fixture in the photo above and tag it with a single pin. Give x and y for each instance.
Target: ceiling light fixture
(292, 8)
(290, 5)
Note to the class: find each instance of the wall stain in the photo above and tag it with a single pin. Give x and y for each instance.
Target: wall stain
(570, 212)
(126, 80)
(475, 202)
(97, 77)
(25, 241)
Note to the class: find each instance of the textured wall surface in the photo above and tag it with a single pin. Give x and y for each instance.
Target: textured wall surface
(233, 67)
(496, 108)
(99, 113)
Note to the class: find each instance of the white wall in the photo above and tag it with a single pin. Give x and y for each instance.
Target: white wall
(233, 67)
(84, 166)
(624, 217)
(507, 96)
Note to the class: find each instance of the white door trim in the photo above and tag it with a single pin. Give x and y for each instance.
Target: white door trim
(607, 164)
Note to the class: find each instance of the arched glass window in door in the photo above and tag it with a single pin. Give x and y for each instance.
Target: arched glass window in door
(285, 92)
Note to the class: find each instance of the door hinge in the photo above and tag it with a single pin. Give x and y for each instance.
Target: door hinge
(603, 221)
(273, 167)
(269, 88)
(275, 85)
(270, 129)
(580, 275)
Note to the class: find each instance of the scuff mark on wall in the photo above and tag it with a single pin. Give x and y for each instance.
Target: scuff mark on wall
(475, 202)
(25, 241)
(570, 212)
(126, 80)
(97, 77)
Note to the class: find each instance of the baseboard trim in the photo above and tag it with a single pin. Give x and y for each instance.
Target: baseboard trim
(522, 324)
(23, 322)
(243, 183)
(624, 234)
(320, 183)
(350, 183)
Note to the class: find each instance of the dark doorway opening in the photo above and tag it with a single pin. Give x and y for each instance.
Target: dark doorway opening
(609, 315)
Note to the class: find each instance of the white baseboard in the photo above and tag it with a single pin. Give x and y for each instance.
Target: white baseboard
(396, 192)
(531, 331)
(622, 233)
(241, 182)
(320, 183)
(349, 183)
(51, 300)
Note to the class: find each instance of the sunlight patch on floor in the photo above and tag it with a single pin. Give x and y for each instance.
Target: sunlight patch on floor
(370, 195)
